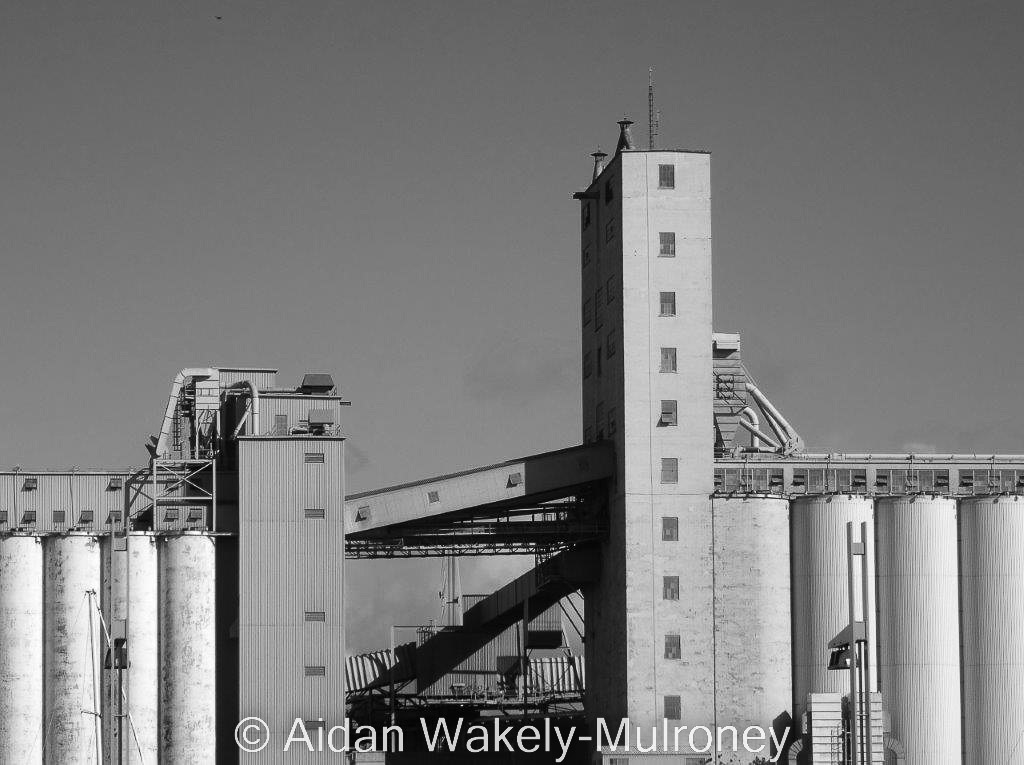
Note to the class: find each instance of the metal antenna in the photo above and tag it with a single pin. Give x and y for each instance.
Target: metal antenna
(652, 122)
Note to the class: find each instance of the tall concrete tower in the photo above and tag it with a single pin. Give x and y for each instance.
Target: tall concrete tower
(647, 372)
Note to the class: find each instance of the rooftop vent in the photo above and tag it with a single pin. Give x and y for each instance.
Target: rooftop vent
(317, 383)
(625, 136)
(599, 157)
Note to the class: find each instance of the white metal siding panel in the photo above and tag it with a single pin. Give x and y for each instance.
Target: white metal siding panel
(992, 593)
(820, 596)
(918, 631)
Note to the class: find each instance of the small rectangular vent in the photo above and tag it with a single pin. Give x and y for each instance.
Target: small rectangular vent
(314, 458)
(316, 616)
(316, 512)
(59, 516)
(316, 671)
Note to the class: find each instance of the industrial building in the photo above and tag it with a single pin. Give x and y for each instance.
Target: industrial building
(864, 606)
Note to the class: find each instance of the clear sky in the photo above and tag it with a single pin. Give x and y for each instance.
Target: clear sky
(382, 190)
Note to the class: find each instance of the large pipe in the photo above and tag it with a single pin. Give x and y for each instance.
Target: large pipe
(172, 402)
(753, 427)
(793, 440)
(254, 398)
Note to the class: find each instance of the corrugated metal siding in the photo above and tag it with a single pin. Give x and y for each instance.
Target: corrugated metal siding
(918, 631)
(261, 378)
(296, 408)
(820, 596)
(290, 565)
(992, 593)
(59, 499)
(480, 674)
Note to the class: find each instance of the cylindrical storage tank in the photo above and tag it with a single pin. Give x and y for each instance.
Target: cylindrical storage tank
(992, 596)
(753, 633)
(187, 657)
(919, 625)
(21, 649)
(130, 592)
(73, 649)
(820, 589)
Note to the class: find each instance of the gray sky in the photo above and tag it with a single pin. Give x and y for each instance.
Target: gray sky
(383, 190)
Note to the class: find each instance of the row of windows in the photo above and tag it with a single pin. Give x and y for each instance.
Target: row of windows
(592, 310)
(609, 351)
(666, 243)
(606, 425)
(597, 313)
(666, 180)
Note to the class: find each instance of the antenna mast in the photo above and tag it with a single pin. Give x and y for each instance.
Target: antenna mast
(652, 123)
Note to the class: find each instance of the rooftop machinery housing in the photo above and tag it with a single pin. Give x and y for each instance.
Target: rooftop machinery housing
(143, 613)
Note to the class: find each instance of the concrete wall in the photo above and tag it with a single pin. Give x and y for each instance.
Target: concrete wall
(627, 616)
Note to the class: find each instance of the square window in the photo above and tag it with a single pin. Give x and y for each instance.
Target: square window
(668, 304)
(609, 192)
(586, 365)
(610, 345)
(667, 247)
(669, 470)
(608, 289)
(669, 529)
(668, 413)
(673, 708)
(586, 312)
(670, 588)
(668, 359)
(673, 650)
(666, 176)
(609, 231)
